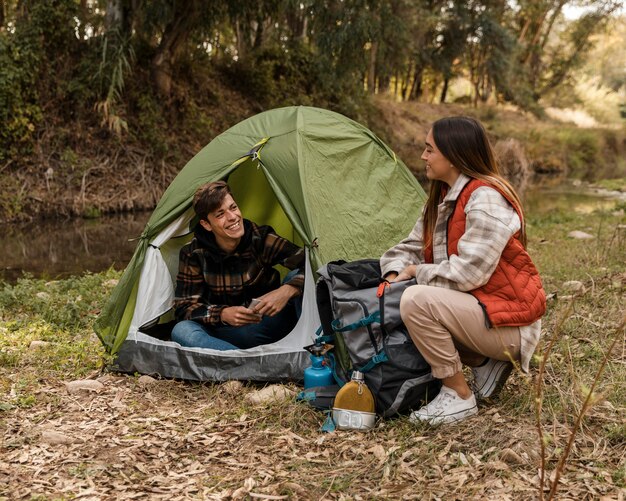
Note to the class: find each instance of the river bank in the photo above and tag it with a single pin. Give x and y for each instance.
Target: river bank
(59, 248)
(84, 171)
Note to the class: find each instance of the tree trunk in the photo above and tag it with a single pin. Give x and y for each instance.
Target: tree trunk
(2, 14)
(83, 18)
(242, 46)
(174, 38)
(416, 88)
(114, 16)
(395, 83)
(297, 22)
(383, 84)
(553, 18)
(371, 73)
(118, 16)
(444, 91)
(305, 27)
(405, 83)
(260, 33)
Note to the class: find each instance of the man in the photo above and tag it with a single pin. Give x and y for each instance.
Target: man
(228, 294)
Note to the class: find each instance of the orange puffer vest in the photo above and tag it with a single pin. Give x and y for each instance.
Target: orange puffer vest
(513, 296)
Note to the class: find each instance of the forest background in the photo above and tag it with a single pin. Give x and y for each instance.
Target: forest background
(103, 102)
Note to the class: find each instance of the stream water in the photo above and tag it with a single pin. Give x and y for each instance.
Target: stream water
(61, 248)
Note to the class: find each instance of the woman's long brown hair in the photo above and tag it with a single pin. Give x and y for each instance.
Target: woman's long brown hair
(463, 141)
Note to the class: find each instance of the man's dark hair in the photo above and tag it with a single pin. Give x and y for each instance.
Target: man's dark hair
(209, 197)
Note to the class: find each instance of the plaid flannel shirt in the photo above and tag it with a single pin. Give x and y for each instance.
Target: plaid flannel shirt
(209, 280)
(490, 222)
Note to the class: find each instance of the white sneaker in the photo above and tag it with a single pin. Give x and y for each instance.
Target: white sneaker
(447, 407)
(490, 377)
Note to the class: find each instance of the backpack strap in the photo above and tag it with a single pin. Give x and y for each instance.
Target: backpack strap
(379, 358)
(322, 339)
(365, 321)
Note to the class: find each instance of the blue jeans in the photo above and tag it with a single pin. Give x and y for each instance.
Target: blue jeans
(224, 337)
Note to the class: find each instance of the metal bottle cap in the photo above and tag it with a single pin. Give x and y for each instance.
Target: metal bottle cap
(357, 376)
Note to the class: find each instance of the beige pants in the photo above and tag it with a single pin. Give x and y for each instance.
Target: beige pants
(449, 329)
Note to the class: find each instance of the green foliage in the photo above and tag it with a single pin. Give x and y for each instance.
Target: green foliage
(11, 197)
(582, 148)
(19, 110)
(588, 154)
(618, 184)
(277, 77)
(33, 60)
(149, 124)
(286, 76)
(115, 65)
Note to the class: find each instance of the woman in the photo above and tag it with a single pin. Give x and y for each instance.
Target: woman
(478, 299)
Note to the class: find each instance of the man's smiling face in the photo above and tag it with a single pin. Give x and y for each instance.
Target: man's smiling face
(226, 224)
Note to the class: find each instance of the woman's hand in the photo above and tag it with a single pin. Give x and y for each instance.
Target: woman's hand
(406, 274)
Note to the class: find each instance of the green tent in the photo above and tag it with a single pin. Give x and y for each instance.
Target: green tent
(319, 178)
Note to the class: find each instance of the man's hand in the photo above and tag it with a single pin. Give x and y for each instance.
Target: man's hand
(273, 302)
(238, 316)
(406, 274)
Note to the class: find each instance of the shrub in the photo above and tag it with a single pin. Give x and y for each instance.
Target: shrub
(513, 163)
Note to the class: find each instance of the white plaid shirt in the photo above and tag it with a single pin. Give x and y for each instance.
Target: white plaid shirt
(490, 222)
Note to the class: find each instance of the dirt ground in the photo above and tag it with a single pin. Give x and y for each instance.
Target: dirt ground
(140, 438)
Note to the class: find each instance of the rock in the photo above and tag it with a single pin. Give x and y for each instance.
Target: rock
(232, 387)
(574, 286)
(56, 438)
(146, 380)
(296, 488)
(84, 385)
(43, 295)
(580, 235)
(109, 378)
(510, 456)
(269, 393)
(35, 345)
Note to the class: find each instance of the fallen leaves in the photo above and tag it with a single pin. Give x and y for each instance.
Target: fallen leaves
(167, 440)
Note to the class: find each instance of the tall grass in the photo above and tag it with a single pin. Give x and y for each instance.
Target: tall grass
(580, 379)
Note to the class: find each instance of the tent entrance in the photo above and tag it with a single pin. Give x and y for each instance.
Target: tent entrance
(257, 202)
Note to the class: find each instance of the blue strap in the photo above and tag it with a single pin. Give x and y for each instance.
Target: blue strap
(306, 396)
(329, 425)
(322, 339)
(333, 366)
(379, 358)
(370, 319)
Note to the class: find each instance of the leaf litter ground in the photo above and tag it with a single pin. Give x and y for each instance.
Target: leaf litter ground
(138, 438)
